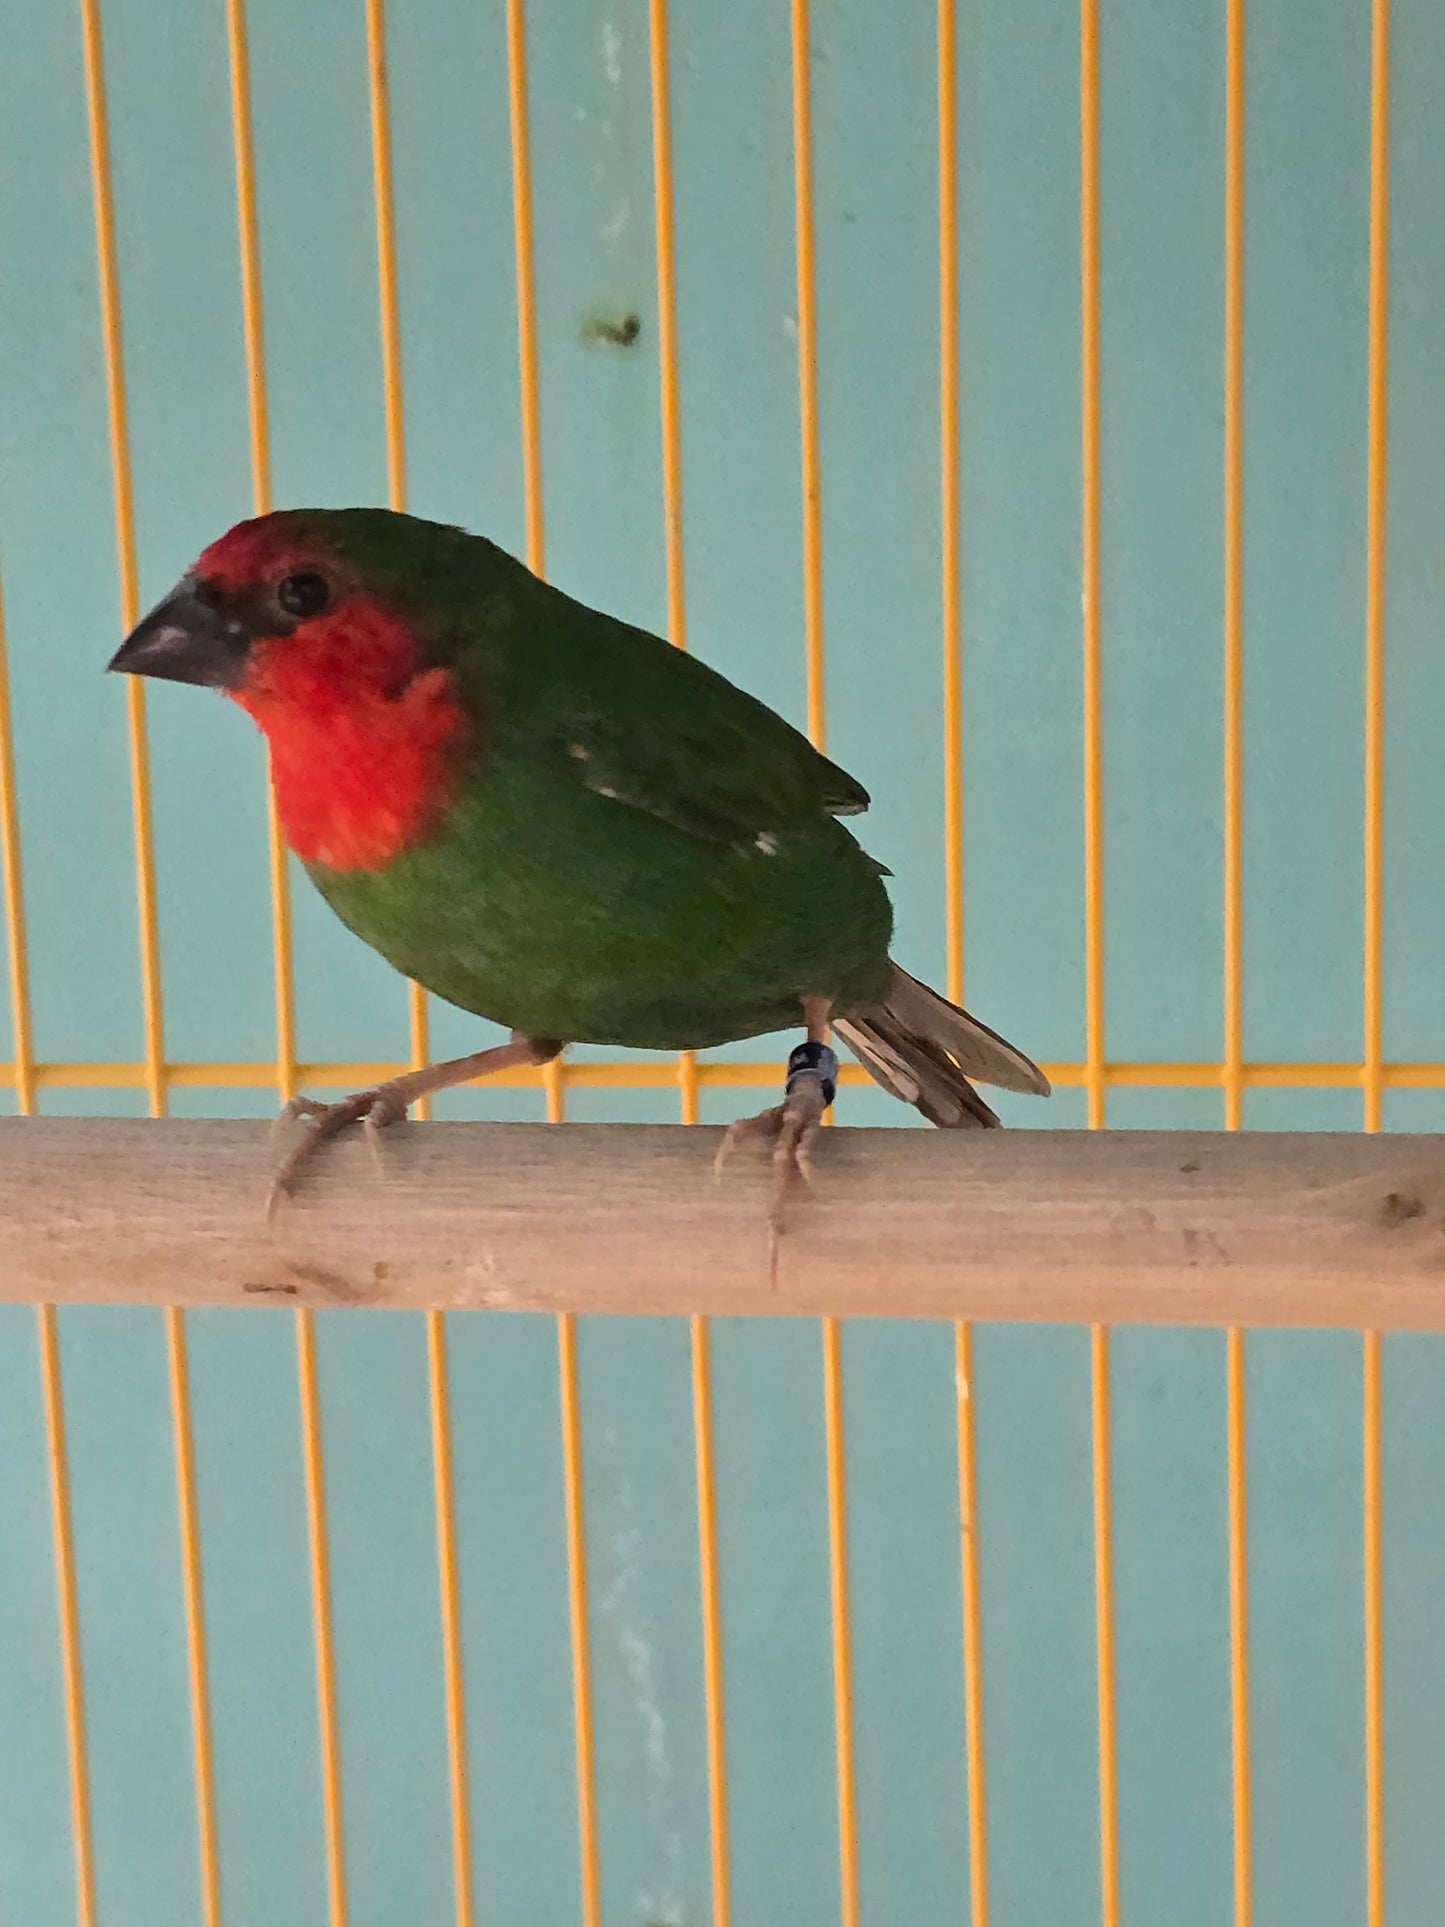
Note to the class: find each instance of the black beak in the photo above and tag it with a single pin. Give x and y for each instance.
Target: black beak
(186, 638)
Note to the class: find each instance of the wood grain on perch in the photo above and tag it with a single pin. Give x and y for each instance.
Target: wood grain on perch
(1119, 1227)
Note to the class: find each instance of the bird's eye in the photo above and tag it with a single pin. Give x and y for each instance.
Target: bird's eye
(303, 595)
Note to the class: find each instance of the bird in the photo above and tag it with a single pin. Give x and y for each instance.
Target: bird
(559, 822)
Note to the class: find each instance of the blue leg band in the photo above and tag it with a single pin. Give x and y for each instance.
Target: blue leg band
(818, 1060)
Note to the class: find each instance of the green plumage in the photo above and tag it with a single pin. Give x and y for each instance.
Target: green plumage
(640, 854)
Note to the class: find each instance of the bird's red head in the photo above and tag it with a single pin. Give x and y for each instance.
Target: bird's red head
(367, 734)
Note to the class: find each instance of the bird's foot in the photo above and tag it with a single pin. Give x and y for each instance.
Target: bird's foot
(388, 1103)
(792, 1125)
(372, 1109)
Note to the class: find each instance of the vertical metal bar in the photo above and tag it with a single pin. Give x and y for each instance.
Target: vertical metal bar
(687, 1061)
(842, 1639)
(526, 283)
(116, 411)
(248, 241)
(282, 963)
(972, 1629)
(668, 392)
(72, 1677)
(808, 368)
(71, 1671)
(391, 371)
(1104, 1595)
(1374, 1641)
(553, 1075)
(667, 319)
(1089, 388)
(389, 308)
(45, 1316)
(1375, 493)
(1094, 925)
(252, 323)
(711, 1621)
(386, 253)
(554, 1085)
(156, 1089)
(813, 643)
(451, 1610)
(62, 1539)
(17, 951)
(1376, 483)
(949, 494)
(687, 1087)
(320, 1556)
(571, 1416)
(179, 1372)
(1239, 1632)
(1233, 555)
(1233, 1081)
(578, 1615)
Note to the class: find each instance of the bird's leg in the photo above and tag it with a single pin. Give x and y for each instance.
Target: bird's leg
(388, 1103)
(812, 1082)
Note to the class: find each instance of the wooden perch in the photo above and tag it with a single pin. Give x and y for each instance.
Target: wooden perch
(1120, 1227)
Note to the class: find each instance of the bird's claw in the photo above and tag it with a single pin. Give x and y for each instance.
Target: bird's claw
(373, 1109)
(792, 1125)
(765, 1124)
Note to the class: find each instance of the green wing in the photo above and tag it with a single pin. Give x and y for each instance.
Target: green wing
(641, 722)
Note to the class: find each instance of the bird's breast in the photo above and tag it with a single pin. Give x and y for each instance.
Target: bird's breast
(365, 777)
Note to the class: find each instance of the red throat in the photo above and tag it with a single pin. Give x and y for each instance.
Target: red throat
(366, 744)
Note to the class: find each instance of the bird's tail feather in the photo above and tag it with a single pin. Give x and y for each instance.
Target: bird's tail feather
(919, 1046)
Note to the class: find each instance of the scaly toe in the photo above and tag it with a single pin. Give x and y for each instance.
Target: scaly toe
(790, 1160)
(811, 1084)
(800, 1157)
(374, 1120)
(324, 1122)
(791, 1167)
(293, 1108)
(792, 1125)
(765, 1124)
(304, 1107)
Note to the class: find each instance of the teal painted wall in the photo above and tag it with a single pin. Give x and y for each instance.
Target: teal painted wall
(1162, 82)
